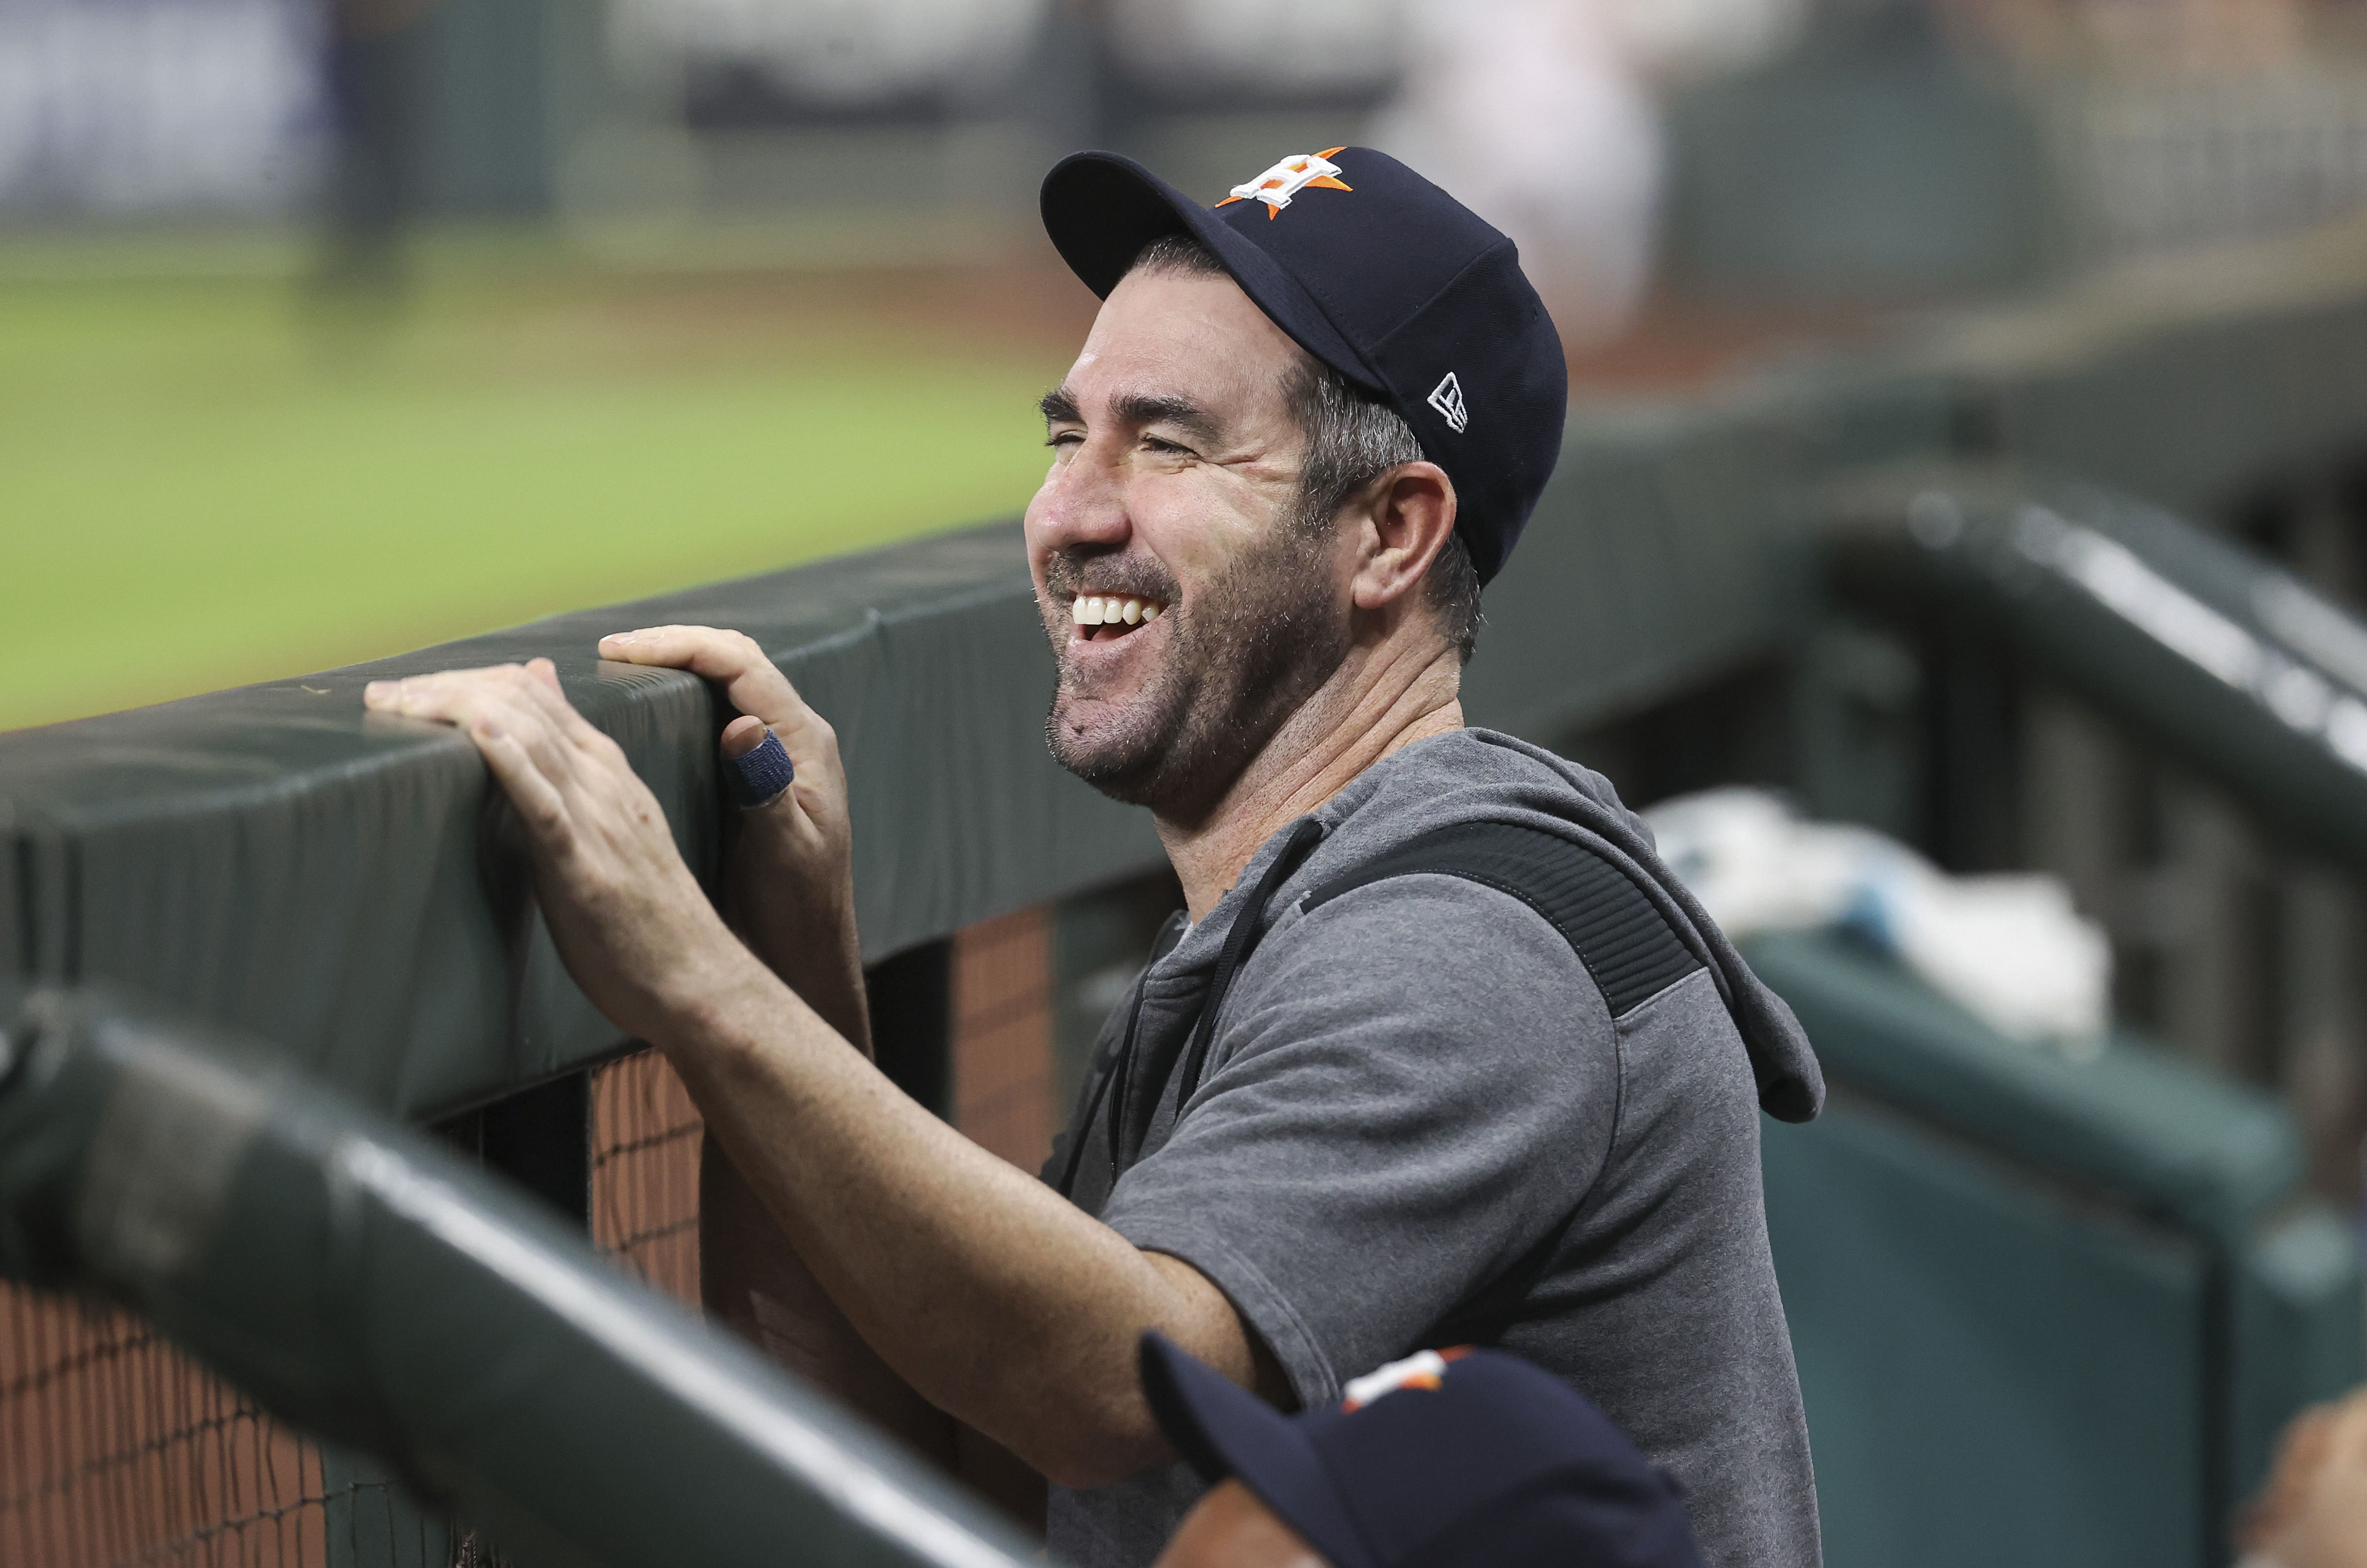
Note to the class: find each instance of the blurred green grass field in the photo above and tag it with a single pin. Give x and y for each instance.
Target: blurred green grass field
(206, 481)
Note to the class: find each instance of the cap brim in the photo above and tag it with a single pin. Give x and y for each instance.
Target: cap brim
(1222, 1430)
(1101, 208)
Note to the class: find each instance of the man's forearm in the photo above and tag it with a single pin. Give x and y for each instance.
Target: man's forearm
(998, 1301)
(752, 1281)
(810, 943)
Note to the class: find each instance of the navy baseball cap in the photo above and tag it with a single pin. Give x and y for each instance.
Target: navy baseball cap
(1381, 276)
(1447, 1458)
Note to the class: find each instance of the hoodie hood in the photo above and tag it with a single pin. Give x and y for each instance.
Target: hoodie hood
(1476, 775)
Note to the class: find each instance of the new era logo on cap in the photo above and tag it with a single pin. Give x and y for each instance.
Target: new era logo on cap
(1447, 398)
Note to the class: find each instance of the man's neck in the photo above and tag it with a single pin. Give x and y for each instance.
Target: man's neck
(1380, 701)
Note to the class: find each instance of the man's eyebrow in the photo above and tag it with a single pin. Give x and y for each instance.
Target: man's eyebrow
(1182, 414)
(1186, 417)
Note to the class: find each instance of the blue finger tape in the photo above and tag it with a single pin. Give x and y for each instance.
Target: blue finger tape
(761, 775)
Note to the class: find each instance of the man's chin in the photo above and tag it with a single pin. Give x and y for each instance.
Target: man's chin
(1180, 777)
(1124, 767)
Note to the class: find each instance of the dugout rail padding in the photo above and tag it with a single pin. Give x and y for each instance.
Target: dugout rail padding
(345, 886)
(367, 1284)
(2224, 660)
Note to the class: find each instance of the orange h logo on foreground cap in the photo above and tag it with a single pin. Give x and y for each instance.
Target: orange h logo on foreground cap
(1423, 1368)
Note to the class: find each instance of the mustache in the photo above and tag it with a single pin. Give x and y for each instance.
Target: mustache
(1141, 577)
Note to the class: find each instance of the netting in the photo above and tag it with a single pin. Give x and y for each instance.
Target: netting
(646, 1137)
(116, 1451)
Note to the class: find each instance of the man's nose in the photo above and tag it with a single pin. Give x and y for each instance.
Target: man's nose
(1082, 505)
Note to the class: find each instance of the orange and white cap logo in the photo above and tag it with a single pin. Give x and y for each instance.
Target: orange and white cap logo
(1288, 177)
(1423, 1368)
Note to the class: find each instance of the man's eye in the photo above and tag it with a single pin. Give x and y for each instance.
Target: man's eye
(1156, 445)
(1063, 438)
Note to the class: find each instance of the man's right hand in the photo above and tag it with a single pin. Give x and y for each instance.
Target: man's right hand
(789, 886)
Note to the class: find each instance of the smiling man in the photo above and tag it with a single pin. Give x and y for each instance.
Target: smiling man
(1438, 1053)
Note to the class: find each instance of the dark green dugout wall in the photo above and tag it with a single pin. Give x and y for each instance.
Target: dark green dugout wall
(2045, 1311)
(345, 886)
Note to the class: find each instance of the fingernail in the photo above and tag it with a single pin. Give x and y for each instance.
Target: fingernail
(376, 689)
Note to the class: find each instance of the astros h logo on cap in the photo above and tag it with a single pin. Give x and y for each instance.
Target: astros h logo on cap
(1448, 1459)
(1423, 1368)
(1288, 177)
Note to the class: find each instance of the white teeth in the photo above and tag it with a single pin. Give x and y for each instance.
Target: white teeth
(1109, 610)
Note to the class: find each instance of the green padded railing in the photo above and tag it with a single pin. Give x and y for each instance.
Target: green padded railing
(369, 1286)
(2227, 661)
(345, 885)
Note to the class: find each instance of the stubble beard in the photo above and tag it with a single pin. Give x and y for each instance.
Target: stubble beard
(1261, 641)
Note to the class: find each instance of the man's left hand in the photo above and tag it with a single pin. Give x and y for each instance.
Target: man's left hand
(631, 923)
(788, 876)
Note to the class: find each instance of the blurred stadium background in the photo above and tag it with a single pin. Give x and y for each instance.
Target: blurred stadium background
(329, 332)
(299, 299)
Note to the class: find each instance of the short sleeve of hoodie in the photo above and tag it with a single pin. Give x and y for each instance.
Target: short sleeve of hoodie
(1417, 1083)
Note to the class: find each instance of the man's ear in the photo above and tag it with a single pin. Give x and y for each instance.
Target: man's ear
(1408, 517)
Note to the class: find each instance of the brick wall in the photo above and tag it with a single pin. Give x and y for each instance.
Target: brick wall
(1004, 1088)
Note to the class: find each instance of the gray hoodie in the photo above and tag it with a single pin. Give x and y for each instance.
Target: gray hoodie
(1419, 1124)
